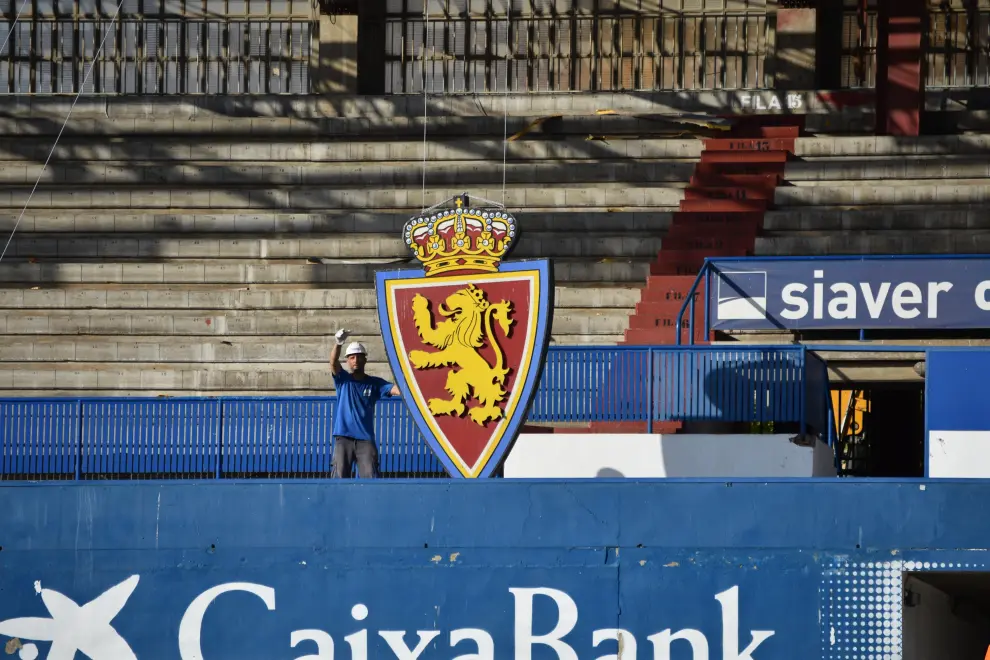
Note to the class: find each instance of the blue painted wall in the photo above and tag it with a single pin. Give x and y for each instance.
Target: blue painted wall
(956, 382)
(714, 561)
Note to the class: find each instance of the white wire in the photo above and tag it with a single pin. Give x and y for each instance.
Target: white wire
(505, 93)
(82, 86)
(426, 39)
(17, 17)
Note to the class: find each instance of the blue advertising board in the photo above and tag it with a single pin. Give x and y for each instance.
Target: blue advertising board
(746, 570)
(835, 293)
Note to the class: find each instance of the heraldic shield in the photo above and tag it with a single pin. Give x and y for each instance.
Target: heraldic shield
(467, 335)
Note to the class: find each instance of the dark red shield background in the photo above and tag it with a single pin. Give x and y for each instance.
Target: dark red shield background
(467, 437)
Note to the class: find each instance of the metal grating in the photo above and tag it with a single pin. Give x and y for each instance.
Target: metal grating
(859, 44)
(957, 44)
(576, 45)
(157, 47)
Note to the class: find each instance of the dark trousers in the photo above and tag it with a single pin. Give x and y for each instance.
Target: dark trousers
(347, 450)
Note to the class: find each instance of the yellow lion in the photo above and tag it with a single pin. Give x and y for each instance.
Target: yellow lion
(468, 325)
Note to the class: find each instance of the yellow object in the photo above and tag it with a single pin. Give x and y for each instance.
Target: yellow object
(468, 326)
(460, 239)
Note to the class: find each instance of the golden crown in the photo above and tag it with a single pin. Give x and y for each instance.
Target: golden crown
(461, 238)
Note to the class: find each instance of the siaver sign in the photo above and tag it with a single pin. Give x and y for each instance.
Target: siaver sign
(89, 629)
(834, 293)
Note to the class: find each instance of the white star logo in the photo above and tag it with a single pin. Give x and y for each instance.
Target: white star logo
(73, 628)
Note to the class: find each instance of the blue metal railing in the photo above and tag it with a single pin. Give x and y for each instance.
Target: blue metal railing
(291, 436)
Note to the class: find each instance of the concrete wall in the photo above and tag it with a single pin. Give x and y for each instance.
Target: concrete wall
(537, 570)
(958, 417)
(935, 628)
(584, 455)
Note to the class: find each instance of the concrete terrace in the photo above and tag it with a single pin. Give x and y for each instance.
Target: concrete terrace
(176, 249)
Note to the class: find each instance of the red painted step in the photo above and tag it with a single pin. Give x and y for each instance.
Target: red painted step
(682, 217)
(735, 242)
(724, 205)
(748, 157)
(666, 289)
(691, 229)
(736, 193)
(749, 145)
(687, 262)
(666, 336)
(757, 126)
(764, 182)
(717, 169)
(668, 320)
(654, 309)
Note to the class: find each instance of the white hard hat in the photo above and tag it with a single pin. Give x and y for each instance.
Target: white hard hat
(355, 348)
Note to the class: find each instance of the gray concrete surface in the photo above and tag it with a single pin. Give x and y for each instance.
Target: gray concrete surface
(519, 197)
(333, 246)
(175, 224)
(196, 149)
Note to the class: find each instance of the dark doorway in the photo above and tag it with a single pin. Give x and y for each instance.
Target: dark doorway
(881, 429)
(945, 615)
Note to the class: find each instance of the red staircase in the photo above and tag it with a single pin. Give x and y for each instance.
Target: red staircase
(721, 214)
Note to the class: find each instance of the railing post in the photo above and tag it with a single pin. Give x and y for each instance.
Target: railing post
(804, 389)
(649, 396)
(221, 405)
(79, 439)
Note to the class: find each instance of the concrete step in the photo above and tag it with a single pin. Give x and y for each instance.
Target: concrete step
(260, 150)
(374, 127)
(338, 246)
(394, 106)
(882, 193)
(905, 218)
(893, 242)
(300, 198)
(899, 170)
(346, 221)
(464, 173)
(890, 145)
(240, 323)
(216, 297)
(105, 351)
(189, 378)
(572, 272)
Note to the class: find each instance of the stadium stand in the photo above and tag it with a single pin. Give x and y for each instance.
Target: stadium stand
(172, 250)
(881, 195)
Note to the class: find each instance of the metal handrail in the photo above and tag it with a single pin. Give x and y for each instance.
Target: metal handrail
(690, 302)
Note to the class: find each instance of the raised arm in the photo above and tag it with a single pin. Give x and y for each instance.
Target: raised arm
(339, 340)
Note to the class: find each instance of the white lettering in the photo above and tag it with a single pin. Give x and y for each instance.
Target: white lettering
(846, 299)
(662, 641)
(935, 288)
(729, 600)
(397, 642)
(789, 294)
(774, 103)
(486, 645)
(626, 640)
(981, 295)
(358, 641)
(746, 99)
(191, 625)
(906, 293)
(875, 303)
(794, 102)
(818, 286)
(567, 616)
(758, 103)
(324, 643)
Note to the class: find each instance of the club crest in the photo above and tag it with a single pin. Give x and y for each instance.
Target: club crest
(466, 336)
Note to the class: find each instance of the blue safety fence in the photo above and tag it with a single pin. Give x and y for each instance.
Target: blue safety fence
(282, 437)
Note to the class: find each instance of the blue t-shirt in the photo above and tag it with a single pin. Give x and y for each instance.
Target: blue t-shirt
(356, 399)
